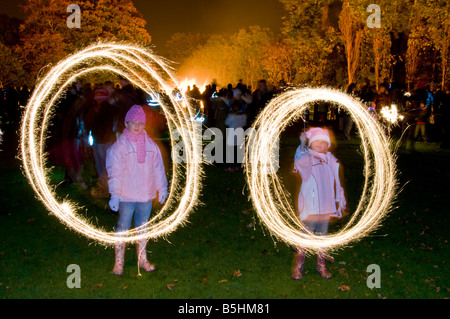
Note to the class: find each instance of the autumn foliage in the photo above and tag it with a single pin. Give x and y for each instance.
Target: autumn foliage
(44, 37)
(321, 42)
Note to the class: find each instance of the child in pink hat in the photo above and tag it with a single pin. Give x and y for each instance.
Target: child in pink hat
(136, 176)
(321, 195)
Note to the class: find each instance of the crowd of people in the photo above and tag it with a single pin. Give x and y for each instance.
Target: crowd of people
(423, 112)
(12, 100)
(89, 118)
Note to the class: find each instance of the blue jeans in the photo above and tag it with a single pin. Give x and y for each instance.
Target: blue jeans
(141, 214)
(320, 228)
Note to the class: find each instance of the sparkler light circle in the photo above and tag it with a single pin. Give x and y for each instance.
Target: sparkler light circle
(146, 71)
(268, 195)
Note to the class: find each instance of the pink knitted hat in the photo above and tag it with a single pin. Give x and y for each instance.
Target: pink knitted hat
(317, 133)
(135, 114)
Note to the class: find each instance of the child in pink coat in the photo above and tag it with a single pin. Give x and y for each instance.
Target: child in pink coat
(321, 195)
(136, 176)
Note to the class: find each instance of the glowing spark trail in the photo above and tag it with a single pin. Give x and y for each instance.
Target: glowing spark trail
(390, 114)
(266, 190)
(144, 70)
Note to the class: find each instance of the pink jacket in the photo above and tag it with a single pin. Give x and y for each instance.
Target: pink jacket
(131, 181)
(321, 187)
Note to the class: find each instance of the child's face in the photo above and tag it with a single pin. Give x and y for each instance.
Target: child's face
(319, 146)
(135, 128)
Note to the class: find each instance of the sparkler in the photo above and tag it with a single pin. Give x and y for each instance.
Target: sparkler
(143, 69)
(390, 114)
(153, 100)
(267, 192)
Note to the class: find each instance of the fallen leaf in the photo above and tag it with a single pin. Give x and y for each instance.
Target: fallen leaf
(169, 286)
(237, 273)
(100, 285)
(250, 225)
(30, 220)
(175, 280)
(343, 288)
(204, 280)
(222, 281)
(125, 287)
(284, 294)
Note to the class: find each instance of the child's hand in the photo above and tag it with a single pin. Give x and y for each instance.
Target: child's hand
(114, 204)
(303, 138)
(340, 211)
(343, 207)
(162, 197)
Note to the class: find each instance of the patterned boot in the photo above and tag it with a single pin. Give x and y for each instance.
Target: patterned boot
(321, 267)
(142, 256)
(297, 272)
(120, 256)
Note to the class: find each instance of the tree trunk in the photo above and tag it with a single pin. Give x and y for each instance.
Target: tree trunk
(352, 36)
(444, 56)
(444, 72)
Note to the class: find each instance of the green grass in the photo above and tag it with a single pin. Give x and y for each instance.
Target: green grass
(200, 258)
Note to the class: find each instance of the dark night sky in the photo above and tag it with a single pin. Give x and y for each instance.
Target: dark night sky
(166, 17)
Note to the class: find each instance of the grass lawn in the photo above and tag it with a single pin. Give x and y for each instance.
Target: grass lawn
(224, 251)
